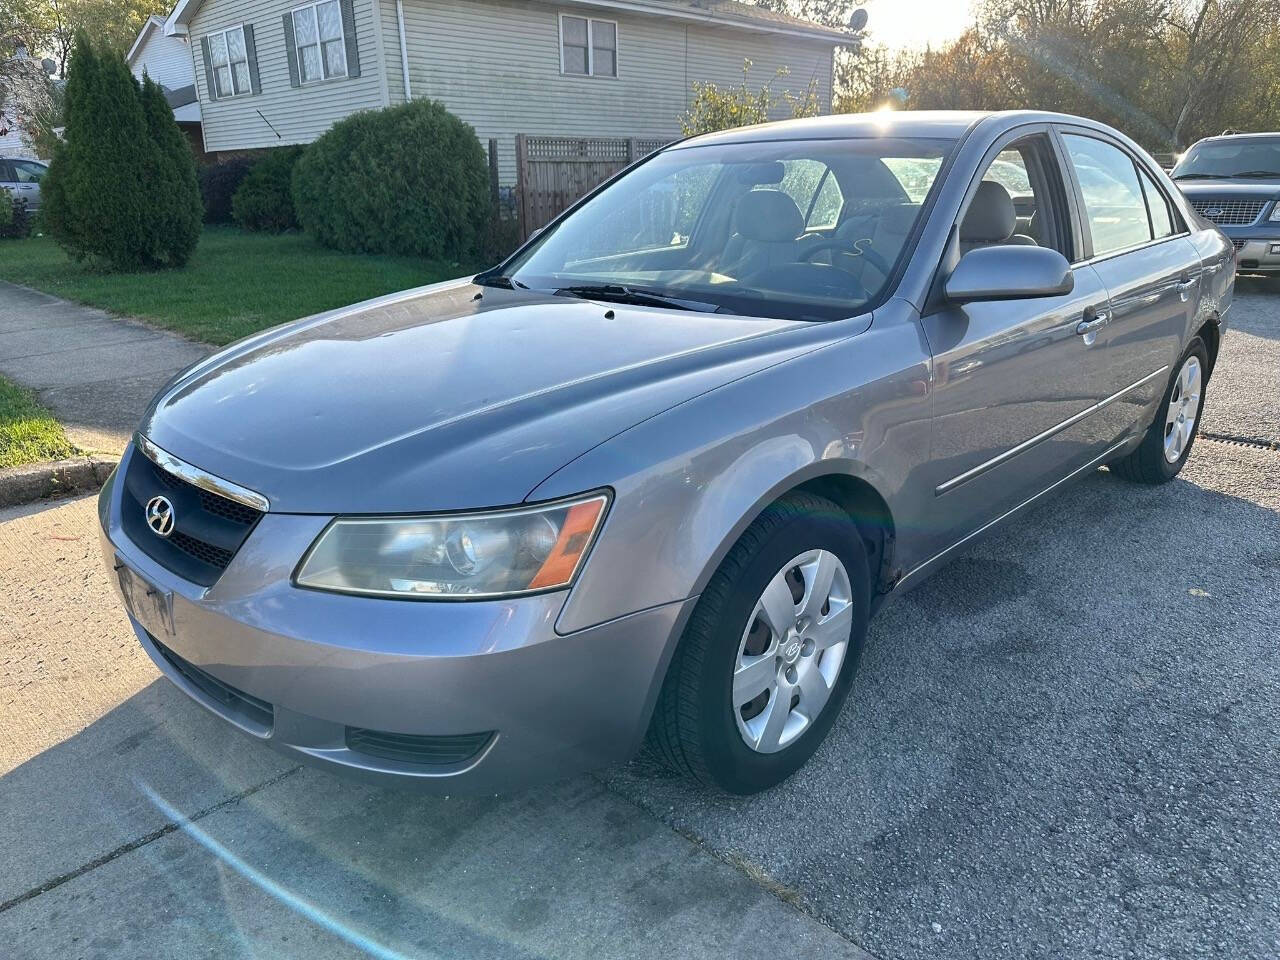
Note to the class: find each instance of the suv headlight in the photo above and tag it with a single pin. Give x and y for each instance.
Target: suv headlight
(497, 553)
(1275, 211)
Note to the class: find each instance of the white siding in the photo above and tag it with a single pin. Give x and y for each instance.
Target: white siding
(496, 64)
(12, 144)
(298, 114)
(166, 60)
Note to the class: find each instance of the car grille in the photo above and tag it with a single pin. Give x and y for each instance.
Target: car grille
(1237, 212)
(234, 701)
(1239, 244)
(208, 529)
(410, 748)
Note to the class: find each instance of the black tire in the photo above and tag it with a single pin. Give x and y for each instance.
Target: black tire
(1148, 464)
(693, 728)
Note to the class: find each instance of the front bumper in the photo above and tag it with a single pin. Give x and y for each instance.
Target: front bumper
(301, 670)
(1257, 247)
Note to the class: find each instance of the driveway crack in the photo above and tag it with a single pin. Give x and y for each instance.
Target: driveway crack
(136, 843)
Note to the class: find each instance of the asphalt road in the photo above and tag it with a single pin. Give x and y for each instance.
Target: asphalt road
(1066, 744)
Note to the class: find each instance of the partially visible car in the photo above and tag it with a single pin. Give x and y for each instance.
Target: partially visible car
(21, 177)
(1234, 181)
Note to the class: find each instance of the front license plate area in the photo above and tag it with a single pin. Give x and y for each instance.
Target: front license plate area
(146, 603)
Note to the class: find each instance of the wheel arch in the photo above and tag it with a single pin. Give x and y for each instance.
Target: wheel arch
(850, 486)
(1211, 333)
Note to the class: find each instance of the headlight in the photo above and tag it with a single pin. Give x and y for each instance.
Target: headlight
(455, 556)
(1275, 211)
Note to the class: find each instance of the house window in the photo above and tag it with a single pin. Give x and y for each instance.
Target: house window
(588, 48)
(321, 46)
(229, 58)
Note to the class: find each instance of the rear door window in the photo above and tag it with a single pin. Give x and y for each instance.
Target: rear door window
(1113, 200)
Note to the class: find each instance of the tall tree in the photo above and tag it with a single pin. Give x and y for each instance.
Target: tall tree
(1165, 71)
(49, 27)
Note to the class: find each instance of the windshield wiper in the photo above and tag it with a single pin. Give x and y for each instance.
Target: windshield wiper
(1257, 173)
(620, 293)
(1197, 176)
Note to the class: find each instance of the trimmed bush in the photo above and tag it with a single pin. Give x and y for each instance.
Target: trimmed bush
(411, 179)
(15, 221)
(118, 191)
(18, 223)
(219, 183)
(264, 199)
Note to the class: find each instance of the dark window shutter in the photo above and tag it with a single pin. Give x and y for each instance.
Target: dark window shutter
(349, 33)
(291, 51)
(255, 84)
(208, 68)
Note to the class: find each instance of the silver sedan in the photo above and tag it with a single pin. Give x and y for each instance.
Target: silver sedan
(648, 479)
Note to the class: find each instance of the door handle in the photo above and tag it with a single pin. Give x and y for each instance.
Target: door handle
(1188, 284)
(1099, 320)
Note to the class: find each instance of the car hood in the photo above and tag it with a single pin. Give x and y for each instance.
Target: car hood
(435, 399)
(1230, 189)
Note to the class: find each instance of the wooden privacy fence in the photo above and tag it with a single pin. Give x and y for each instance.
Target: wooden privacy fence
(553, 172)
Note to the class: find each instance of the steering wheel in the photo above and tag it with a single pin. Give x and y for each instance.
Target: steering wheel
(845, 246)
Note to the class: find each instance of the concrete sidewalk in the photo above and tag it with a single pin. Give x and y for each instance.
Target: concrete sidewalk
(96, 372)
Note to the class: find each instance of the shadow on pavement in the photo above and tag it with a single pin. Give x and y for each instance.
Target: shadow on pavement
(1066, 744)
(159, 831)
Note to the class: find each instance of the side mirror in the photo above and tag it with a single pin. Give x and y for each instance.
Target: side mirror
(1009, 273)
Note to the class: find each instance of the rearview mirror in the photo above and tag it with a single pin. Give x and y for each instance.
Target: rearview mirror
(1009, 273)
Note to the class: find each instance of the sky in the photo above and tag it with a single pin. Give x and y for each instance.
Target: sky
(915, 23)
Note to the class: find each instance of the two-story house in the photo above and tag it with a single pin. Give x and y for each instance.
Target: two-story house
(274, 72)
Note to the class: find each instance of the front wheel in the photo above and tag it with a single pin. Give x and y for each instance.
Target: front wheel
(770, 651)
(1169, 438)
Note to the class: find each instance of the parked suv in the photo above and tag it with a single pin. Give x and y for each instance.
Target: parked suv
(1234, 181)
(21, 177)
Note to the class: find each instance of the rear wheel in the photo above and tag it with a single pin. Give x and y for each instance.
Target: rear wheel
(770, 651)
(1169, 438)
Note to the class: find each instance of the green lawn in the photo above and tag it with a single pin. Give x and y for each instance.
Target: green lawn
(28, 432)
(236, 284)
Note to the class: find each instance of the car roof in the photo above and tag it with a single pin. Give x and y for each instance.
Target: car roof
(943, 124)
(1262, 135)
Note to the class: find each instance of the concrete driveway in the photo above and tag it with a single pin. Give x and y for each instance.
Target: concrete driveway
(1067, 744)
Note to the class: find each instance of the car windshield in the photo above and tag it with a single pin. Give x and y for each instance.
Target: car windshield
(803, 230)
(1231, 158)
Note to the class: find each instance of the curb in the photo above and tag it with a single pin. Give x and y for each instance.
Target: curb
(41, 481)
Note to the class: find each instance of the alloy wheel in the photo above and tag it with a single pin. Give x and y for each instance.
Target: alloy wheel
(1183, 411)
(791, 651)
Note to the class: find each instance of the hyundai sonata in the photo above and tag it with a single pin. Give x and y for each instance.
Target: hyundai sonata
(650, 476)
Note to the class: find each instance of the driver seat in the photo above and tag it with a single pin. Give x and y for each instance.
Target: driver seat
(991, 220)
(766, 227)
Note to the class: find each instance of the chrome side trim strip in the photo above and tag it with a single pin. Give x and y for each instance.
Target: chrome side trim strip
(1045, 435)
(1091, 465)
(201, 478)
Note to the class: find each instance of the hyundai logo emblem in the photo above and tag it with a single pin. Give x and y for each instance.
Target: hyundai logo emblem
(160, 516)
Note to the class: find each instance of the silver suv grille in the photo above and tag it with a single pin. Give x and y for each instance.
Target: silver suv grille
(1237, 212)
